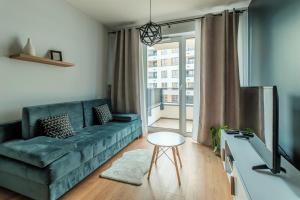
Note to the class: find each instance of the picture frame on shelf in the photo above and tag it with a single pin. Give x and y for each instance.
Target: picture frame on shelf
(55, 55)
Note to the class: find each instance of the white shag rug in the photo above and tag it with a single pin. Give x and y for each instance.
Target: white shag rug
(130, 168)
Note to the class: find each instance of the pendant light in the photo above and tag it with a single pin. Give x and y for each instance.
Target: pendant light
(150, 33)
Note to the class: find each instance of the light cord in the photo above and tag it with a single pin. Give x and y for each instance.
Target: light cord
(150, 10)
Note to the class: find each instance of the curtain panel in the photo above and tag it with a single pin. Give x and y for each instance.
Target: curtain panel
(125, 85)
(219, 74)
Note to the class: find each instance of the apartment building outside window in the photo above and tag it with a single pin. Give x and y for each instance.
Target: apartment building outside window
(175, 51)
(152, 63)
(175, 74)
(164, 74)
(152, 53)
(164, 62)
(175, 61)
(152, 75)
(175, 99)
(189, 100)
(190, 73)
(166, 98)
(190, 85)
(164, 85)
(175, 85)
(191, 60)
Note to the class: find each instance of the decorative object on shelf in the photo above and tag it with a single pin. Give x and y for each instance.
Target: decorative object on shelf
(29, 48)
(56, 55)
(150, 33)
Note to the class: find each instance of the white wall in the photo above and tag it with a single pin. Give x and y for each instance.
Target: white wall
(51, 24)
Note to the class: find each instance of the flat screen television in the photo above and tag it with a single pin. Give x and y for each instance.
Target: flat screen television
(265, 140)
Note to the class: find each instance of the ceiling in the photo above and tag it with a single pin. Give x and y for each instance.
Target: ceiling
(114, 13)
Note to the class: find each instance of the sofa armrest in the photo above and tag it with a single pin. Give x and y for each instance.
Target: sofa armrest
(125, 117)
(10, 131)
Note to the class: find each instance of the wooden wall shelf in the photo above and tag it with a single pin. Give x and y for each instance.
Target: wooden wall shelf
(38, 59)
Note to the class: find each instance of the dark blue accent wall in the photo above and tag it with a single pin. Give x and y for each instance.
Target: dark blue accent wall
(274, 30)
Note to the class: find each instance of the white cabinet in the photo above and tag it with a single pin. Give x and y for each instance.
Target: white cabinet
(246, 184)
(240, 192)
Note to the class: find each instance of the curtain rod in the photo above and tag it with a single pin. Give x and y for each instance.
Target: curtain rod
(179, 21)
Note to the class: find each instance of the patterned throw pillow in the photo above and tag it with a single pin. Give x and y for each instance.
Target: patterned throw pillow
(103, 114)
(58, 126)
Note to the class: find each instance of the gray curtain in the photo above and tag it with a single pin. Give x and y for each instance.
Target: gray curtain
(125, 86)
(219, 74)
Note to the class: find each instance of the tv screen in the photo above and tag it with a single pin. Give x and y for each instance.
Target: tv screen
(262, 103)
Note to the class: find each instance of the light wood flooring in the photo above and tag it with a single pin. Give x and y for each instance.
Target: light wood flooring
(202, 178)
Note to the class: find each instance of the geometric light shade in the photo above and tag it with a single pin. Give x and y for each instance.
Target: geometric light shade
(150, 34)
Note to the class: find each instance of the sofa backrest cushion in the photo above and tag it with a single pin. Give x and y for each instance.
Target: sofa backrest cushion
(31, 115)
(89, 114)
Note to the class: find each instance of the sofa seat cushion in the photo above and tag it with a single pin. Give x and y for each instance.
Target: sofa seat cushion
(84, 144)
(108, 134)
(39, 151)
(125, 117)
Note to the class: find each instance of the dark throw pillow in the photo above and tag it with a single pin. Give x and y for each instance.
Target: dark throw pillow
(103, 114)
(58, 126)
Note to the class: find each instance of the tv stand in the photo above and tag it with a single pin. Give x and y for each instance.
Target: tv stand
(239, 157)
(262, 167)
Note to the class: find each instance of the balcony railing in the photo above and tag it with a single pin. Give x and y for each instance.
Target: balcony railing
(159, 108)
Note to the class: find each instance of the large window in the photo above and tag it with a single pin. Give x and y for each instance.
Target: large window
(166, 71)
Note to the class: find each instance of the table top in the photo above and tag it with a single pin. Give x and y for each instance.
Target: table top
(166, 139)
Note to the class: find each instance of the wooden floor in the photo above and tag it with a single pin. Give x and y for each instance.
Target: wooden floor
(202, 177)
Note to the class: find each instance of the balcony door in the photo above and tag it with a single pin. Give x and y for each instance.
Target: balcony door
(170, 82)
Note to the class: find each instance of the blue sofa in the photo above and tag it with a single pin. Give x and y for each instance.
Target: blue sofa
(41, 167)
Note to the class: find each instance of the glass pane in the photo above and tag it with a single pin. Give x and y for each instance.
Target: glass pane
(163, 85)
(190, 65)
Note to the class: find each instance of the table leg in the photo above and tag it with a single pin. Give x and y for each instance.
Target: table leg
(175, 162)
(152, 160)
(156, 157)
(177, 152)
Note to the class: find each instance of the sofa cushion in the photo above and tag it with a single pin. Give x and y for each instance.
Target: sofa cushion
(89, 114)
(58, 126)
(125, 117)
(39, 151)
(31, 116)
(84, 144)
(103, 114)
(108, 134)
